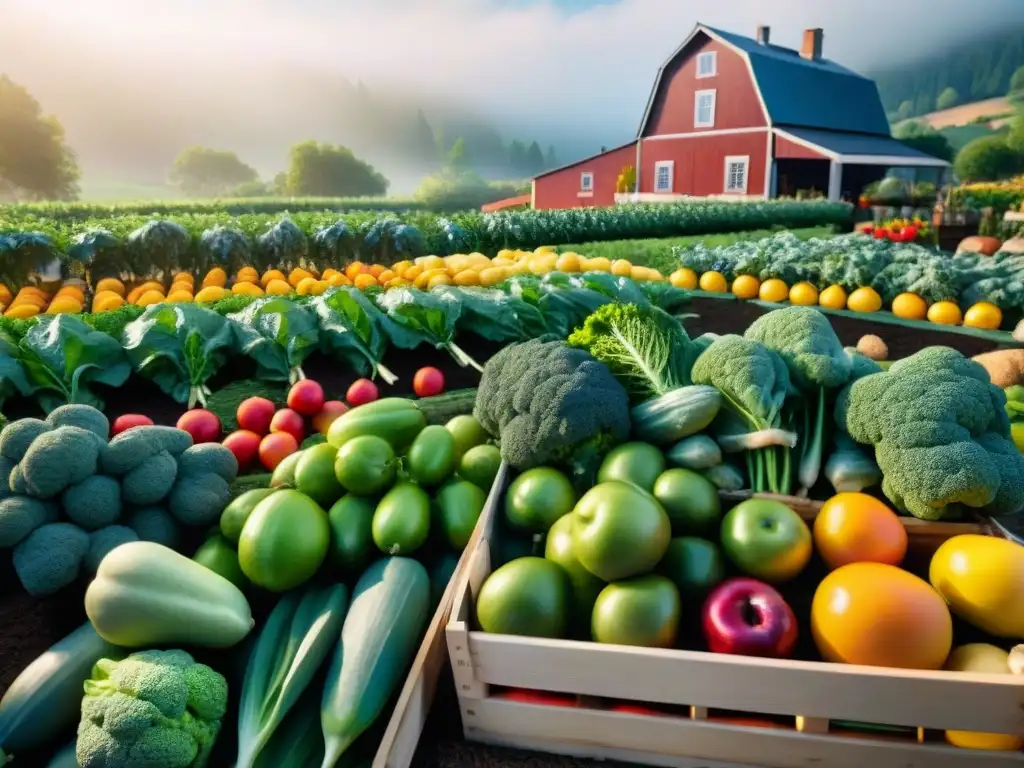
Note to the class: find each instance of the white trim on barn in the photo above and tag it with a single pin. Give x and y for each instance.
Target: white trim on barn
(713, 132)
(587, 181)
(828, 154)
(669, 167)
(806, 144)
(698, 96)
(737, 174)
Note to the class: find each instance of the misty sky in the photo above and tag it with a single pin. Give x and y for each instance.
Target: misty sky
(559, 70)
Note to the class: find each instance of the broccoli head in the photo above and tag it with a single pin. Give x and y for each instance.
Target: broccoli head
(153, 708)
(804, 338)
(59, 459)
(83, 416)
(20, 515)
(103, 541)
(940, 432)
(50, 558)
(93, 503)
(208, 457)
(133, 446)
(545, 399)
(151, 480)
(18, 435)
(199, 499)
(157, 525)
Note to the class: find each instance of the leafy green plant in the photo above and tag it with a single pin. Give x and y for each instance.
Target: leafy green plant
(279, 335)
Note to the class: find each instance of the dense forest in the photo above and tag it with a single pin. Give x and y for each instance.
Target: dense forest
(975, 70)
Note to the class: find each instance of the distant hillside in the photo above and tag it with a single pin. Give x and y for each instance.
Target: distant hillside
(976, 70)
(974, 112)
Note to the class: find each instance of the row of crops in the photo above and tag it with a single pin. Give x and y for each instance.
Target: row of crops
(140, 245)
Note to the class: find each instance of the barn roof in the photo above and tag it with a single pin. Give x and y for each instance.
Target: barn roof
(854, 148)
(797, 91)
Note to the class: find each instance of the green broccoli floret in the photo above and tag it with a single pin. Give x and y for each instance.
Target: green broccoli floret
(546, 399)
(104, 540)
(83, 416)
(17, 436)
(50, 558)
(6, 467)
(817, 362)
(133, 446)
(860, 364)
(20, 515)
(754, 382)
(93, 503)
(206, 458)
(150, 481)
(199, 499)
(157, 525)
(154, 709)
(940, 432)
(16, 481)
(58, 459)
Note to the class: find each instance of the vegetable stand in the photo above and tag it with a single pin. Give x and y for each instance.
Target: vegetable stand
(701, 710)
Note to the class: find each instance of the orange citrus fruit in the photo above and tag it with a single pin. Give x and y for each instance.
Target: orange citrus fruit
(856, 528)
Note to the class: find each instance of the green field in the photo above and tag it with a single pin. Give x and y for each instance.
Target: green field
(658, 252)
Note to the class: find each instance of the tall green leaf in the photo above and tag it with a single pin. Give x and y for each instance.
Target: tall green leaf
(279, 335)
(415, 317)
(351, 328)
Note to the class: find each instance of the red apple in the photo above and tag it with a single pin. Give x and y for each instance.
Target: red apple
(129, 420)
(332, 410)
(275, 448)
(245, 445)
(361, 392)
(749, 618)
(427, 382)
(254, 414)
(203, 425)
(306, 397)
(287, 420)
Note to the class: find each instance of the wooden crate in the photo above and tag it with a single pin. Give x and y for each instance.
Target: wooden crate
(718, 711)
(402, 736)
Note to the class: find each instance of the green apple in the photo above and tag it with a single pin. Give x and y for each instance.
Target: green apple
(690, 500)
(694, 565)
(767, 540)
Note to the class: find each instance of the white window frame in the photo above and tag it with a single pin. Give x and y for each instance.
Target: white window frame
(587, 181)
(743, 160)
(711, 56)
(669, 165)
(697, 95)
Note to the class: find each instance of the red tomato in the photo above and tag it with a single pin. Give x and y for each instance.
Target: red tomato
(306, 397)
(361, 392)
(332, 410)
(203, 425)
(254, 414)
(881, 233)
(275, 448)
(129, 420)
(428, 382)
(287, 420)
(245, 445)
(524, 696)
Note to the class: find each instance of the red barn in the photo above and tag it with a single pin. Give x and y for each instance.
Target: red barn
(740, 117)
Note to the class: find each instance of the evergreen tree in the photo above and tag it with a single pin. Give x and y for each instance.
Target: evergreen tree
(534, 159)
(517, 157)
(550, 160)
(424, 143)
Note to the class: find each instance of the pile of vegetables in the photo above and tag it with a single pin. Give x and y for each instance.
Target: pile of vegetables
(334, 567)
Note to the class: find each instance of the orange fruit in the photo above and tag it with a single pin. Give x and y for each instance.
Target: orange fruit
(297, 275)
(365, 280)
(215, 276)
(411, 273)
(246, 288)
(984, 315)
(864, 299)
(181, 296)
(65, 305)
(384, 276)
(106, 300)
(150, 297)
(684, 278)
(882, 616)
(424, 278)
(469, 277)
(356, 268)
(72, 291)
(833, 297)
(803, 295)
(437, 280)
(492, 275)
(376, 270)
(621, 268)
(713, 282)
(211, 293)
(278, 288)
(399, 268)
(857, 528)
(569, 262)
(910, 306)
(5, 294)
(305, 286)
(338, 279)
(773, 289)
(272, 274)
(746, 286)
(329, 273)
(22, 311)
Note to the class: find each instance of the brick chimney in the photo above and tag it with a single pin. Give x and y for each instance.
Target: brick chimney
(763, 34)
(811, 49)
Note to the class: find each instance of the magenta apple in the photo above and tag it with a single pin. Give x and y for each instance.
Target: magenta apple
(747, 617)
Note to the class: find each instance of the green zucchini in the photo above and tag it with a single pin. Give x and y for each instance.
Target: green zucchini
(676, 414)
(146, 595)
(46, 698)
(385, 622)
(695, 452)
(297, 637)
(395, 419)
(297, 741)
(440, 409)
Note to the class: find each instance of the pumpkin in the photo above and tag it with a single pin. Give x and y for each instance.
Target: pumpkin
(979, 244)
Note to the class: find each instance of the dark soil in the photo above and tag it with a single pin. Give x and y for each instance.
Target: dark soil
(29, 626)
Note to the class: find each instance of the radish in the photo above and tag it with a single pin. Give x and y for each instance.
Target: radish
(427, 382)
(287, 420)
(332, 410)
(306, 397)
(245, 445)
(254, 414)
(203, 425)
(275, 448)
(129, 420)
(361, 392)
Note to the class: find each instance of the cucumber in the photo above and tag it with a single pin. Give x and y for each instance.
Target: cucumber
(676, 414)
(146, 595)
(395, 419)
(46, 698)
(440, 409)
(389, 610)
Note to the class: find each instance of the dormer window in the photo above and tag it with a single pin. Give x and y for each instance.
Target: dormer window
(707, 64)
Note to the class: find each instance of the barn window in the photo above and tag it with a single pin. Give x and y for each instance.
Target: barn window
(586, 182)
(704, 109)
(736, 174)
(707, 64)
(663, 176)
